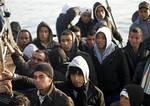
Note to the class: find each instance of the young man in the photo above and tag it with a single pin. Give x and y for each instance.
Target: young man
(143, 21)
(85, 22)
(111, 66)
(131, 95)
(133, 49)
(101, 18)
(79, 87)
(67, 51)
(45, 93)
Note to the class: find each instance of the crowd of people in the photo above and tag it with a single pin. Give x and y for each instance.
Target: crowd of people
(88, 66)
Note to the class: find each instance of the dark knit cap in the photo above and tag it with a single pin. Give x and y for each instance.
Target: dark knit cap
(135, 93)
(45, 68)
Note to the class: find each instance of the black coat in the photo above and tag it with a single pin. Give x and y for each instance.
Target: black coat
(132, 58)
(137, 79)
(93, 95)
(64, 20)
(113, 73)
(85, 28)
(58, 58)
(54, 98)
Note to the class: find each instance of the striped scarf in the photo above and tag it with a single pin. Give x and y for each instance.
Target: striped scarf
(146, 78)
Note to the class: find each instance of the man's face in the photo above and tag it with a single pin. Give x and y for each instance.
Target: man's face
(100, 12)
(78, 35)
(144, 13)
(86, 18)
(24, 39)
(77, 80)
(44, 34)
(135, 39)
(66, 42)
(101, 40)
(41, 80)
(124, 101)
(37, 58)
(90, 41)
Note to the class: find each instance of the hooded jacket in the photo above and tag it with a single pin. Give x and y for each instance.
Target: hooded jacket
(37, 41)
(144, 25)
(110, 46)
(86, 95)
(97, 23)
(111, 66)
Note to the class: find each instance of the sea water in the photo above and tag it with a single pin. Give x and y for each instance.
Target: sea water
(31, 12)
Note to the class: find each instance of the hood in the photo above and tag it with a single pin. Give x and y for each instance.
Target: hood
(80, 63)
(43, 24)
(95, 6)
(106, 31)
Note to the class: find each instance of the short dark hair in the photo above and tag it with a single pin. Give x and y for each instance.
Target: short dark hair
(91, 33)
(136, 30)
(45, 53)
(66, 32)
(75, 29)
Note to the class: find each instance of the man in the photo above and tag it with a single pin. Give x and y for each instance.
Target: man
(45, 93)
(65, 18)
(85, 22)
(67, 51)
(79, 87)
(133, 49)
(143, 21)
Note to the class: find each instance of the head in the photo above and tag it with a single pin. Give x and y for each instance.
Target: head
(90, 39)
(67, 40)
(43, 76)
(135, 37)
(131, 95)
(15, 27)
(103, 38)
(28, 51)
(144, 10)
(100, 12)
(77, 32)
(44, 32)
(24, 38)
(20, 100)
(86, 15)
(38, 57)
(78, 72)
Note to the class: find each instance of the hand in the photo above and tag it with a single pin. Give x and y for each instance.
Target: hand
(7, 75)
(109, 9)
(8, 87)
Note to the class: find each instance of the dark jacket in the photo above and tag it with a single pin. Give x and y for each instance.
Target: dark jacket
(94, 96)
(137, 79)
(85, 28)
(64, 20)
(54, 97)
(37, 41)
(22, 67)
(112, 73)
(58, 57)
(132, 58)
